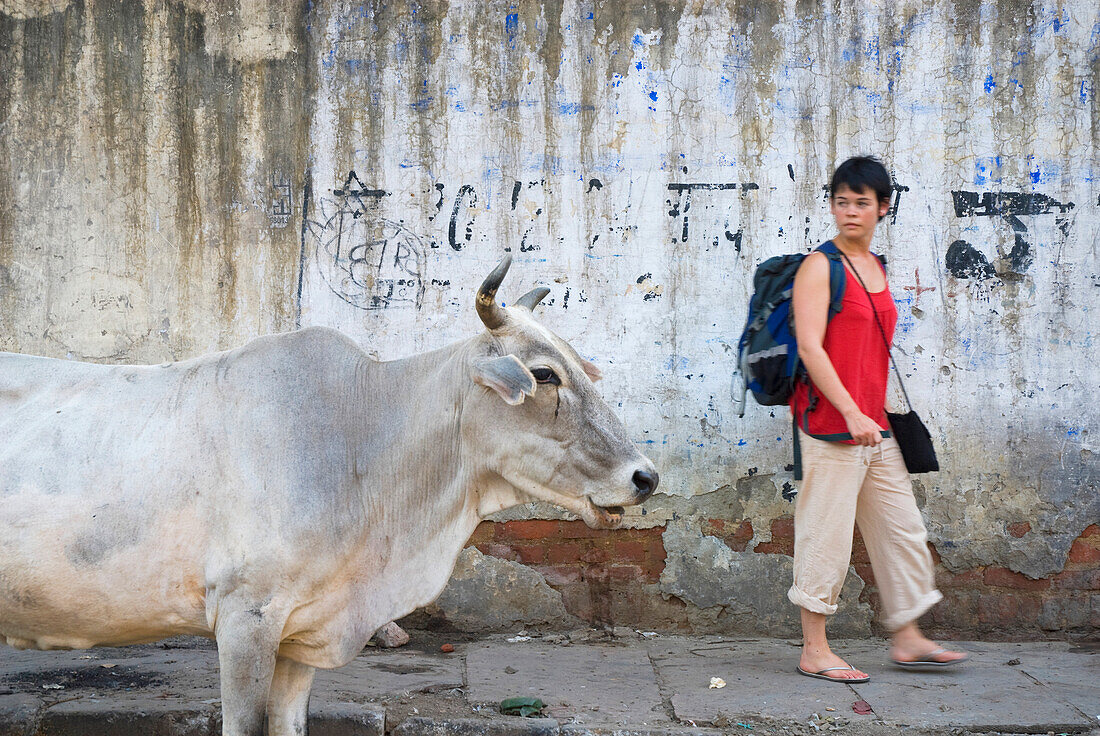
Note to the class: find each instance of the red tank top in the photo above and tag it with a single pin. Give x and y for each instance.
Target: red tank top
(855, 347)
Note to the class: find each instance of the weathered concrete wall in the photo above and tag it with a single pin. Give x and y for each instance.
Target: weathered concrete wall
(178, 176)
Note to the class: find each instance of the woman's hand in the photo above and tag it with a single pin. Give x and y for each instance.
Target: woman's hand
(864, 430)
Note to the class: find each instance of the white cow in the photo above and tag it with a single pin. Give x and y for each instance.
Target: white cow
(288, 497)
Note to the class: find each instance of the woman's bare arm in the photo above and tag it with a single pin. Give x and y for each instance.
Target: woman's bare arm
(810, 301)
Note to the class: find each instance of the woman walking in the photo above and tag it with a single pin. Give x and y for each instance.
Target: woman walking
(860, 477)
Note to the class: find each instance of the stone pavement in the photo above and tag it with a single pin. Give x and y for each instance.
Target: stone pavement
(621, 683)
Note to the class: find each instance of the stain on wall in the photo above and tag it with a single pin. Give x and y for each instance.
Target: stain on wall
(178, 176)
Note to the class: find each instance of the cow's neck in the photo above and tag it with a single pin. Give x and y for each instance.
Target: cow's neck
(417, 487)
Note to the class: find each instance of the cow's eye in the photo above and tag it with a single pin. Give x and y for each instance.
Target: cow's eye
(545, 375)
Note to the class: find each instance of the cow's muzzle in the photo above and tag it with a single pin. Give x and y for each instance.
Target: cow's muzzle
(645, 483)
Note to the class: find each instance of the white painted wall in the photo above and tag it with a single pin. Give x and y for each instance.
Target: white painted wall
(580, 170)
(157, 161)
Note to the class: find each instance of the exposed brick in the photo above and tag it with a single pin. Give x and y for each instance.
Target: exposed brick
(530, 554)
(1005, 578)
(502, 551)
(528, 529)
(1063, 613)
(744, 532)
(1078, 579)
(998, 609)
(783, 528)
(560, 574)
(629, 551)
(653, 531)
(1081, 552)
(865, 573)
(653, 567)
(715, 527)
(625, 573)
(737, 545)
(958, 609)
(1019, 528)
(1092, 530)
(484, 533)
(964, 579)
(594, 555)
(655, 550)
(579, 530)
(774, 548)
(564, 552)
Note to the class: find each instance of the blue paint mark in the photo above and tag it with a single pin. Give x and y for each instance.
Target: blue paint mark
(871, 51)
(572, 108)
(741, 443)
(401, 51)
(511, 22)
(1084, 91)
(637, 41)
(676, 362)
(640, 66)
(906, 321)
(591, 16)
(653, 96)
(1073, 433)
(422, 104)
(874, 99)
(990, 85)
(987, 170)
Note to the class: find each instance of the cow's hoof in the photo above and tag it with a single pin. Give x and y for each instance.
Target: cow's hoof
(391, 636)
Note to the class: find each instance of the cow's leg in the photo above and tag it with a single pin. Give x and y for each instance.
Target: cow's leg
(288, 703)
(248, 639)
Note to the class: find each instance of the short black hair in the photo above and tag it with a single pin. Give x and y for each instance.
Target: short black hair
(862, 172)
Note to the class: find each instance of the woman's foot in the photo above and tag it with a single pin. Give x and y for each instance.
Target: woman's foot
(912, 649)
(820, 661)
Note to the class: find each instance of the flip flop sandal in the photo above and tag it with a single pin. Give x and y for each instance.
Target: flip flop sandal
(820, 674)
(929, 660)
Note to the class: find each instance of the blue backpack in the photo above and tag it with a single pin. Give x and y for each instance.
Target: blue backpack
(767, 353)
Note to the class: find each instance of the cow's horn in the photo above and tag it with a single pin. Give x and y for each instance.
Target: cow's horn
(491, 313)
(532, 298)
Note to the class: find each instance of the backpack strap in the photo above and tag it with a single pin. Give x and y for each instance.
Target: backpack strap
(838, 277)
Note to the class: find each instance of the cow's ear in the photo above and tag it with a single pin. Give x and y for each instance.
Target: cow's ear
(591, 370)
(507, 376)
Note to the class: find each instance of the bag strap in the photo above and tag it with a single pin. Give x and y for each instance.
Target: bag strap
(881, 331)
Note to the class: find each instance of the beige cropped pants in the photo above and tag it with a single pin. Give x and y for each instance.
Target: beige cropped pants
(845, 485)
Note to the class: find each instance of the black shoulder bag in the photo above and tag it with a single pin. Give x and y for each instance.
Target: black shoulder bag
(912, 436)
